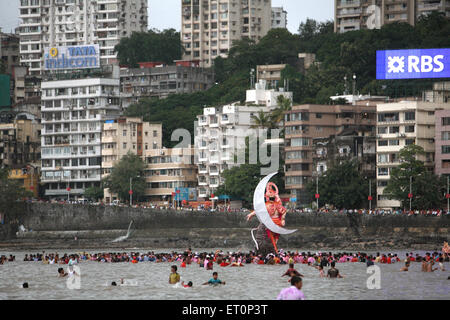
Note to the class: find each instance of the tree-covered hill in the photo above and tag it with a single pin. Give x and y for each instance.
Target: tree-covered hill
(339, 55)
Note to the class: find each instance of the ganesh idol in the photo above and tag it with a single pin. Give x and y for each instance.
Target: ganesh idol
(276, 211)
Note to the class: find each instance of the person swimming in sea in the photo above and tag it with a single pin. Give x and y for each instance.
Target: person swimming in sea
(333, 272)
(62, 273)
(214, 280)
(188, 285)
(406, 267)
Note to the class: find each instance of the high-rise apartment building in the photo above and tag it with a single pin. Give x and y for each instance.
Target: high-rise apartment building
(279, 18)
(124, 135)
(305, 123)
(53, 23)
(372, 14)
(73, 113)
(399, 125)
(9, 51)
(209, 27)
(221, 133)
(161, 81)
(170, 170)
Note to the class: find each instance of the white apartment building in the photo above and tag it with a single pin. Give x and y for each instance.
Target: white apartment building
(279, 18)
(399, 125)
(221, 132)
(54, 23)
(372, 14)
(73, 112)
(209, 27)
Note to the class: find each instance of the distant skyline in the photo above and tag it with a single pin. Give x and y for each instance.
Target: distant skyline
(167, 14)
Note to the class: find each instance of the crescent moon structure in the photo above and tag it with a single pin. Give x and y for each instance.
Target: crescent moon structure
(261, 210)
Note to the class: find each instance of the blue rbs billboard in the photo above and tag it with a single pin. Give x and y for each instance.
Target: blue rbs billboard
(413, 64)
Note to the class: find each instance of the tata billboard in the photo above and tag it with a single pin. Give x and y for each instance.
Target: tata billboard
(72, 57)
(413, 64)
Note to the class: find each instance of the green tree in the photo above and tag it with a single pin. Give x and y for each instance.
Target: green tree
(262, 120)
(241, 181)
(342, 186)
(130, 166)
(153, 45)
(427, 188)
(94, 193)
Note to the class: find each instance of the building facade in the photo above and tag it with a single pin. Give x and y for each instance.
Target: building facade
(169, 170)
(54, 23)
(162, 81)
(271, 74)
(440, 93)
(73, 112)
(372, 14)
(279, 18)
(9, 51)
(209, 27)
(399, 125)
(304, 123)
(20, 143)
(221, 133)
(442, 149)
(124, 135)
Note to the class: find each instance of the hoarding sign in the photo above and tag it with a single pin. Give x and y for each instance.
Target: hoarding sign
(188, 194)
(413, 64)
(73, 57)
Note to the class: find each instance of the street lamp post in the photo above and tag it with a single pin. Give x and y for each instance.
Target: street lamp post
(131, 190)
(447, 195)
(317, 190)
(354, 84)
(410, 193)
(370, 194)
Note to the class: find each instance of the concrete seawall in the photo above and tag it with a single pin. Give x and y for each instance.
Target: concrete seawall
(58, 226)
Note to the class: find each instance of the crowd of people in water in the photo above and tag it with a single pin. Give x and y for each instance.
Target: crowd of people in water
(430, 262)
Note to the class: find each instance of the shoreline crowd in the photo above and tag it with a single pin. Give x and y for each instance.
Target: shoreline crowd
(233, 259)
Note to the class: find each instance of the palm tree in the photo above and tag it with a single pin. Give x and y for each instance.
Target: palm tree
(262, 120)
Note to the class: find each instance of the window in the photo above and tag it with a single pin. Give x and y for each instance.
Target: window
(155, 133)
(394, 130)
(446, 121)
(445, 164)
(446, 149)
(382, 130)
(383, 158)
(124, 133)
(296, 155)
(410, 141)
(382, 183)
(394, 142)
(124, 145)
(446, 135)
(299, 142)
(388, 117)
(383, 171)
(318, 116)
(410, 116)
(382, 143)
(296, 180)
(409, 129)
